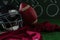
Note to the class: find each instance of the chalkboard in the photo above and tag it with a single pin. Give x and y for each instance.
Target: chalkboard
(44, 8)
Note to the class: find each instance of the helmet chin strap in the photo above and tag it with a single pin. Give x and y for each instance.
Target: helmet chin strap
(11, 28)
(14, 27)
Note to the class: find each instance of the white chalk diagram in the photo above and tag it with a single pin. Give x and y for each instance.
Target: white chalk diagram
(50, 6)
(37, 5)
(41, 13)
(54, 13)
(40, 7)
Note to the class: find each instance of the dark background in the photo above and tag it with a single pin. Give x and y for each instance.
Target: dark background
(44, 17)
(41, 8)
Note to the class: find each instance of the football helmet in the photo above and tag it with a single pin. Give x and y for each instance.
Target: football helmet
(10, 18)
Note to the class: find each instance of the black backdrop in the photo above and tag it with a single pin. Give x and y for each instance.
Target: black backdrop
(45, 8)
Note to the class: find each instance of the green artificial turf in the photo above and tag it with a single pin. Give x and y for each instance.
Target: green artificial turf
(51, 35)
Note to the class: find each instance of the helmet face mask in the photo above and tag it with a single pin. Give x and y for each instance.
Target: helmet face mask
(11, 20)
